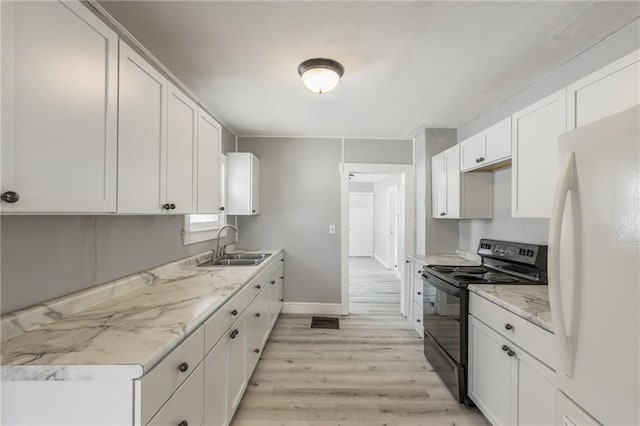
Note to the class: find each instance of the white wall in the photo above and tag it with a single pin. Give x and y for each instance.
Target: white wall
(360, 187)
(381, 217)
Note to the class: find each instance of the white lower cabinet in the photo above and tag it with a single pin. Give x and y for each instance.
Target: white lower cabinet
(215, 385)
(508, 384)
(185, 406)
(236, 367)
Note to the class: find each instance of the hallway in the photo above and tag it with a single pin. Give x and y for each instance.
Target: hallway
(370, 372)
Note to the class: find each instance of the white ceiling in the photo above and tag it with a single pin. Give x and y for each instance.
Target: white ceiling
(407, 64)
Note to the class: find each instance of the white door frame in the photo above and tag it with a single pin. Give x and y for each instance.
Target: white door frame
(407, 236)
(393, 224)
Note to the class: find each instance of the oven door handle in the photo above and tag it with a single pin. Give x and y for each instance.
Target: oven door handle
(441, 285)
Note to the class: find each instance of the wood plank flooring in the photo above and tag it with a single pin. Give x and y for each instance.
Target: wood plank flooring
(370, 372)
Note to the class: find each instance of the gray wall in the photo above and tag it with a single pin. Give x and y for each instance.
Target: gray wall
(383, 151)
(502, 226)
(360, 187)
(46, 256)
(300, 198)
(435, 235)
(610, 49)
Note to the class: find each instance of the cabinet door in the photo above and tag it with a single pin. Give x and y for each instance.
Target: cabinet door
(236, 362)
(438, 186)
(471, 150)
(215, 385)
(607, 91)
(536, 391)
(186, 405)
(497, 142)
(182, 152)
(452, 164)
(59, 106)
(209, 170)
(141, 135)
(492, 374)
(535, 155)
(255, 185)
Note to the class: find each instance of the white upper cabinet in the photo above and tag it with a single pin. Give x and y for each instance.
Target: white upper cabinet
(535, 151)
(243, 184)
(182, 152)
(157, 146)
(607, 91)
(491, 147)
(142, 135)
(209, 164)
(457, 195)
(59, 123)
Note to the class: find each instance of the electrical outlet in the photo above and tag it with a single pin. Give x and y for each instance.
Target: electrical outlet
(332, 229)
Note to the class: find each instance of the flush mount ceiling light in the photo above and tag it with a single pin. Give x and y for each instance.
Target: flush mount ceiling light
(320, 75)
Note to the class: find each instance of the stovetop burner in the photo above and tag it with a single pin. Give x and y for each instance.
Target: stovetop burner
(462, 275)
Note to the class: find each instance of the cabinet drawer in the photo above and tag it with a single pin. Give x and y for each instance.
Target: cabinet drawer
(186, 405)
(417, 318)
(533, 339)
(163, 379)
(222, 319)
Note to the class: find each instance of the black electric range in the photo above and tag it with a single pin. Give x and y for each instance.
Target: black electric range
(445, 302)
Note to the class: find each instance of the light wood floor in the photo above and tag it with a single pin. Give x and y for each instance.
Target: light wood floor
(370, 372)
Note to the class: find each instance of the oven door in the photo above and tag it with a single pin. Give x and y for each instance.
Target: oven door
(441, 314)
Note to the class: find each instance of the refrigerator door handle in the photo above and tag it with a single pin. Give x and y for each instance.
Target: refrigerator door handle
(565, 184)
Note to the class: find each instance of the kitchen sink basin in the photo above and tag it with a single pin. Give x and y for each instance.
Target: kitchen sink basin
(237, 259)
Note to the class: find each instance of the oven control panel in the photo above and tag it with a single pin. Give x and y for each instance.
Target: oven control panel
(523, 253)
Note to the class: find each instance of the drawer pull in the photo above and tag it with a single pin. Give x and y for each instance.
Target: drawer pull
(282, 277)
(508, 326)
(273, 281)
(257, 351)
(258, 314)
(234, 312)
(510, 352)
(419, 293)
(420, 272)
(505, 348)
(258, 286)
(282, 300)
(183, 367)
(183, 423)
(234, 333)
(418, 320)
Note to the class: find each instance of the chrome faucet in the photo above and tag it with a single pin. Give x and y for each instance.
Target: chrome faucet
(217, 253)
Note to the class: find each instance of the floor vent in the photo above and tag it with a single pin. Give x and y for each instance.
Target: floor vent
(325, 322)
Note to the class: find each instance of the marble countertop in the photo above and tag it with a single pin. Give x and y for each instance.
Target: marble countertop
(122, 335)
(458, 259)
(530, 302)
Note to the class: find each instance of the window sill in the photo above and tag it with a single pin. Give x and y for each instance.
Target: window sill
(198, 236)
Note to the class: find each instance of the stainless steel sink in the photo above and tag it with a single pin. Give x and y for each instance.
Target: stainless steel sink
(237, 259)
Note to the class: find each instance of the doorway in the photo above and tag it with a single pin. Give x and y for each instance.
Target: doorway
(375, 200)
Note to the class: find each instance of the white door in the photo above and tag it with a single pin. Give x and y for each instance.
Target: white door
(452, 166)
(392, 234)
(255, 185)
(182, 152)
(215, 385)
(361, 224)
(209, 164)
(438, 186)
(142, 137)
(59, 111)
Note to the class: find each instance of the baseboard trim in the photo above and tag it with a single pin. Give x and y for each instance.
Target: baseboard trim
(380, 260)
(311, 308)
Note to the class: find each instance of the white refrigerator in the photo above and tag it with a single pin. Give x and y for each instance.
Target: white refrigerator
(594, 273)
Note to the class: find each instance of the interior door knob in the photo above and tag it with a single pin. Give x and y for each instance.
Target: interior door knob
(10, 197)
